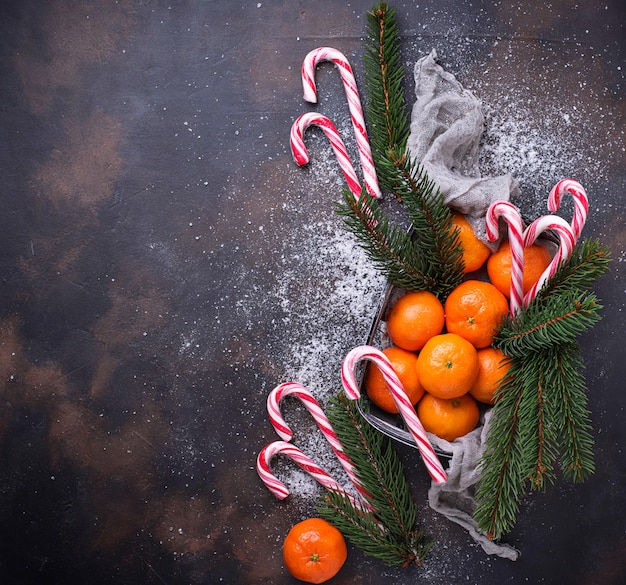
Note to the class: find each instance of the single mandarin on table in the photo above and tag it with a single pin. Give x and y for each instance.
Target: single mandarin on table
(474, 310)
(492, 367)
(447, 366)
(448, 418)
(314, 550)
(475, 251)
(536, 260)
(414, 319)
(404, 364)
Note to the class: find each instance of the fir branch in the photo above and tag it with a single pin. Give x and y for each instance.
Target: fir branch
(379, 470)
(430, 258)
(502, 474)
(559, 319)
(522, 445)
(432, 226)
(385, 104)
(365, 533)
(572, 423)
(540, 415)
(589, 260)
(388, 533)
(402, 260)
(538, 437)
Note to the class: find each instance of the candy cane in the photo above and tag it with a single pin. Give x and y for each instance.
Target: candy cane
(348, 378)
(314, 408)
(301, 156)
(354, 103)
(581, 203)
(512, 216)
(277, 487)
(566, 245)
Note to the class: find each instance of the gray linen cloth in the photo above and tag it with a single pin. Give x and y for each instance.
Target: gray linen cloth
(447, 123)
(455, 498)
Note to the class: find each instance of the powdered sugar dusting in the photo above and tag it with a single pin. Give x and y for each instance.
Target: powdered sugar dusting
(328, 290)
(541, 135)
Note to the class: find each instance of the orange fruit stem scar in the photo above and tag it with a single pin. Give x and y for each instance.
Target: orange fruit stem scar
(474, 309)
(314, 551)
(447, 366)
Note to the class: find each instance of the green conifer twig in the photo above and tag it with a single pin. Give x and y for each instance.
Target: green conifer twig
(388, 533)
(540, 415)
(560, 319)
(385, 103)
(430, 258)
(589, 260)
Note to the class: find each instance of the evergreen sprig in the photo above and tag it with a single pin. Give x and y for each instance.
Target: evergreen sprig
(430, 257)
(425, 258)
(386, 529)
(589, 260)
(385, 103)
(390, 247)
(571, 416)
(560, 319)
(433, 228)
(540, 417)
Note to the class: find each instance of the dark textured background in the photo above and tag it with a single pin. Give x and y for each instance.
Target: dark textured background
(150, 213)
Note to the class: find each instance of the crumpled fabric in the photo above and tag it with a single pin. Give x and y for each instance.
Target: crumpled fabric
(447, 123)
(455, 498)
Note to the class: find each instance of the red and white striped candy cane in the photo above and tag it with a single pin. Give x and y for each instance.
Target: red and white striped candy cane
(566, 245)
(277, 487)
(301, 156)
(354, 103)
(406, 409)
(314, 408)
(512, 216)
(581, 202)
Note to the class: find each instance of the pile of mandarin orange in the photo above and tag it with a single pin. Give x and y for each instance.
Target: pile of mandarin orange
(442, 353)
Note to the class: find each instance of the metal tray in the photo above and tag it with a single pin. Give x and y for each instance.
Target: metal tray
(393, 425)
(389, 424)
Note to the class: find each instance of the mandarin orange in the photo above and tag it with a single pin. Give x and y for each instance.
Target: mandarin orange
(474, 310)
(475, 251)
(447, 366)
(414, 319)
(492, 367)
(404, 363)
(314, 550)
(448, 418)
(536, 260)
